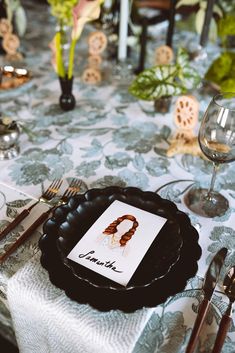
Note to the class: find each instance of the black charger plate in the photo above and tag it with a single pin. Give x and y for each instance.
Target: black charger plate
(177, 264)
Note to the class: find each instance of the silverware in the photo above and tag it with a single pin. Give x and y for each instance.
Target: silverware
(229, 288)
(72, 190)
(211, 279)
(47, 196)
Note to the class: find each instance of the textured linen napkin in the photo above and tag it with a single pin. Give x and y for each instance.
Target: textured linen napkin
(47, 321)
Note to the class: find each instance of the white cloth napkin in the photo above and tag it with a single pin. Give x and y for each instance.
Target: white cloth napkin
(47, 321)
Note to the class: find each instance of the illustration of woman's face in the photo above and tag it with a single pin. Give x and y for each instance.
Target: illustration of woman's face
(123, 227)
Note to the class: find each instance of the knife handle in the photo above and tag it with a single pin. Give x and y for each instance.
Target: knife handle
(25, 235)
(14, 223)
(222, 333)
(198, 325)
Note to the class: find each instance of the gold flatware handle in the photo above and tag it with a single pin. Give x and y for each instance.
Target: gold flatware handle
(222, 333)
(14, 223)
(25, 235)
(198, 325)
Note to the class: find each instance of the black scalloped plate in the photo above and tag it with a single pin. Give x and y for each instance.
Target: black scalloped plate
(161, 256)
(99, 293)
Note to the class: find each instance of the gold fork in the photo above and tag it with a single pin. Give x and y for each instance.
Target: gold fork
(46, 197)
(72, 190)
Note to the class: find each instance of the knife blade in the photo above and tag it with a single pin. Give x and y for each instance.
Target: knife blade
(210, 281)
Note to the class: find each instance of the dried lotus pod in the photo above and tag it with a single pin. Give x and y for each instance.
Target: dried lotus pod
(163, 55)
(91, 75)
(186, 112)
(5, 27)
(183, 135)
(94, 61)
(10, 43)
(97, 42)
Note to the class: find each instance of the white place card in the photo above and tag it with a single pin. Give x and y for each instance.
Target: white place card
(117, 242)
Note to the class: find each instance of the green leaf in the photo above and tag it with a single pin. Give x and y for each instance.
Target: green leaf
(228, 85)
(226, 26)
(190, 77)
(220, 68)
(182, 58)
(156, 82)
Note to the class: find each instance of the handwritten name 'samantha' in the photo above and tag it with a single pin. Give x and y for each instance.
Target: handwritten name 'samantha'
(95, 260)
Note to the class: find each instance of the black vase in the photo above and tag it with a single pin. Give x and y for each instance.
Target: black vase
(67, 99)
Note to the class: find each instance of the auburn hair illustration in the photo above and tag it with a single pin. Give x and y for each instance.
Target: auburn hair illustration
(112, 228)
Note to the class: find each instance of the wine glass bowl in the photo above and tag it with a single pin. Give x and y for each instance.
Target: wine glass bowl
(217, 141)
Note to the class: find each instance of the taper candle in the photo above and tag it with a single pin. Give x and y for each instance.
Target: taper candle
(123, 29)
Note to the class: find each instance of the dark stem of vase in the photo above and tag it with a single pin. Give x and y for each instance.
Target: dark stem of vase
(67, 99)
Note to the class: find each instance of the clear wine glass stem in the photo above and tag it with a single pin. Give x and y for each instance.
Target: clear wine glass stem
(214, 173)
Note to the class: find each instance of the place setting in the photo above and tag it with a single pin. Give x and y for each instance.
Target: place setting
(124, 279)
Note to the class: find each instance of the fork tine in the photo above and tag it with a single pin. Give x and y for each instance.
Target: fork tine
(72, 189)
(56, 187)
(53, 188)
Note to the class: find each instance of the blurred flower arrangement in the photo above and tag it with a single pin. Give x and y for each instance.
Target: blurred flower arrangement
(72, 15)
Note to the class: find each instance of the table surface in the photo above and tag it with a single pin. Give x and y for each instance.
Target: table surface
(110, 138)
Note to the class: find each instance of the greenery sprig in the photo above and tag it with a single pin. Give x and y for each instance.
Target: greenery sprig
(222, 72)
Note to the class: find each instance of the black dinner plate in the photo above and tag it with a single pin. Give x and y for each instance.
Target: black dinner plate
(176, 248)
(162, 254)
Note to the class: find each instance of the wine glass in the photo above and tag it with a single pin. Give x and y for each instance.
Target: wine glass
(217, 142)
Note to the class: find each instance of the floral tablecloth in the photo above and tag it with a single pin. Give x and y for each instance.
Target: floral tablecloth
(110, 138)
